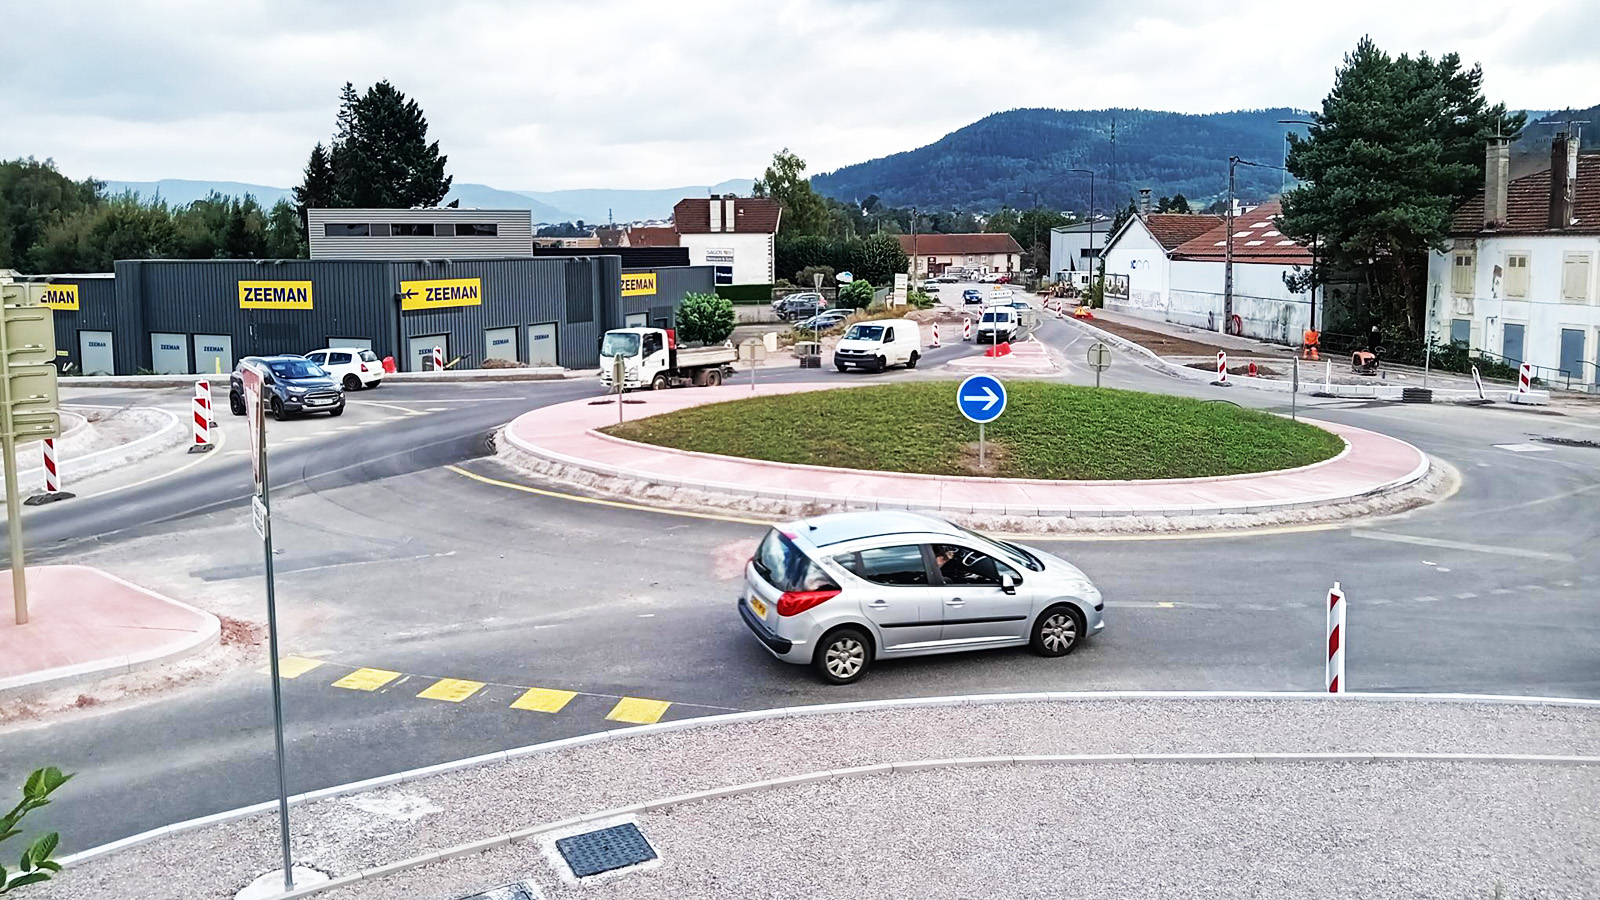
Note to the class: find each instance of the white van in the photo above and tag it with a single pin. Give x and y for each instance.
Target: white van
(999, 323)
(879, 344)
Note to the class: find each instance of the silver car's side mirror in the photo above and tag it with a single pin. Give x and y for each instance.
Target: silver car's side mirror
(1008, 583)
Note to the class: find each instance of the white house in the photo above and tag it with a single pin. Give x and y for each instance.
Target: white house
(1518, 281)
(736, 235)
(931, 254)
(1138, 260)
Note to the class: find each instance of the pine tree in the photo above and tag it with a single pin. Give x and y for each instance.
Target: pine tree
(317, 190)
(381, 157)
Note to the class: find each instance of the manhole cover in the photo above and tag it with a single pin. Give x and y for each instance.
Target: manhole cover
(520, 890)
(601, 851)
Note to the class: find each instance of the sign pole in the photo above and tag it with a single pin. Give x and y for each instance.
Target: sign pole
(981, 463)
(1294, 393)
(19, 572)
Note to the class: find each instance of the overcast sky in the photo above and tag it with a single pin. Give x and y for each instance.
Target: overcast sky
(540, 95)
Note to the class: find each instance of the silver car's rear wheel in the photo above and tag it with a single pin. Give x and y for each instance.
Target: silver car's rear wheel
(1058, 631)
(843, 656)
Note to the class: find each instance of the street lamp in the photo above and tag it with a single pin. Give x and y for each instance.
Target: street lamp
(1090, 173)
(1227, 265)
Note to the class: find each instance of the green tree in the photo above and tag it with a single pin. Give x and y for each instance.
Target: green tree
(36, 865)
(806, 278)
(705, 318)
(1005, 220)
(380, 156)
(90, 241)
(857, 294)
(785, 181)
(1122, 216)
(1397, 146)
(33, 198)
(285, 232)
(316, 190)
(1177, 203)
(877, 258)
(1032, 233)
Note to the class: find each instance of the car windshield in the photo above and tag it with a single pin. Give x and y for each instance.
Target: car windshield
(864, 333)
(988, 317)
(784, 567)
(620, 344)
(1010, 551)
(295, 368)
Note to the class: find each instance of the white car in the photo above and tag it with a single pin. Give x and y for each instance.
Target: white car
(999, 323)
(879, 344)
(353, 367)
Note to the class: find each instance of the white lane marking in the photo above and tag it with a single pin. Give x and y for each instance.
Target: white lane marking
(409, 412)
(1501, 592)
(1465, 595)
(450, 400)
(1531, 587)
(437, 409)
(1427, 599)
(217, 452)
(366, 562)
(1459, 545)
(1522, 448)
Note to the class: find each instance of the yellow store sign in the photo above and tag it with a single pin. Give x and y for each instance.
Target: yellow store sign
(439, 292)
(638, 284)
(274, 295)
(60, 296)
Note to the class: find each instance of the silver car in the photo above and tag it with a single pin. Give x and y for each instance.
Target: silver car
(840, 591)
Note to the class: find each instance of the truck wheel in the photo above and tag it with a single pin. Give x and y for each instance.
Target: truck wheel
(713, 377)
(658, 383)
(911, 363)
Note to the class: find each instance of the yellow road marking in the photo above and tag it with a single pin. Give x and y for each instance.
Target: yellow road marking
(616, 504)
(544, 700)
(366, 679)
(453, 690)
(292, 666)
(638, 711)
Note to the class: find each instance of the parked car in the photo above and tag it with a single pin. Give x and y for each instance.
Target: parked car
(971, 295)
(824, 320)
(801, 298)
(353, 367)
(998, 323)
(879, 344)
(949, 278)
(801, 306)
(290, 385)
(1003, 279)
(929, 287)
(841, 591)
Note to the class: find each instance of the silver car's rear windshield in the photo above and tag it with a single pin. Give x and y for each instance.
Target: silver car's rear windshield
(784, 567)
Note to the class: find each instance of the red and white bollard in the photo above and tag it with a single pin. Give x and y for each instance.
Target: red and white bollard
(202, 423)
(935, 336)
(1222, 368)
(438, 359)
(1061, 306)
(52, 473)
(966, 329)
(202, 390)
(1335, 670)
(1525, 378)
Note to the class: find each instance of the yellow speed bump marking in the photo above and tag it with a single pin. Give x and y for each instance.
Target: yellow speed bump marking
(366, 679)
(452, 690)
(293, 666)
(544, 700)
(638, 711)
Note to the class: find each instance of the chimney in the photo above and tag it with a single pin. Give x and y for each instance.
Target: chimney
(716, 215)
(1144, 201)
(1563, 178)
(1496, 180)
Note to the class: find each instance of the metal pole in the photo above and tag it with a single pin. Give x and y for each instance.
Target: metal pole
(272, 648)
(1227, 269)
(1427, 344)
(1294, 393)
(913, 246)
(981, 464)
(19, 569)
(1096, 376)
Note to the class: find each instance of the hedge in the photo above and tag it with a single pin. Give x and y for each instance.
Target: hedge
(745, 293)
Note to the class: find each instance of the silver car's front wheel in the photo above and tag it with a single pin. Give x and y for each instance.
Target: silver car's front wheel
(843, 656)
(1057, 632)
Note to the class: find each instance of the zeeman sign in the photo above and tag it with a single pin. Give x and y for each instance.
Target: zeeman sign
(440, 292)
(60, 296)
(274, 295)
(638, 284)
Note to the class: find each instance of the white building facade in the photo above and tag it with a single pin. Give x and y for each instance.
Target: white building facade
(1519, 281)
(438, 233)
(736, 236)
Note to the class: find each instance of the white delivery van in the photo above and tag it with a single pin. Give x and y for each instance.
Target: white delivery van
(999, 323)
(879, 344)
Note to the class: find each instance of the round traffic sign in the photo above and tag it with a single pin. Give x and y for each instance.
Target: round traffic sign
(981, 398)
(1099, 356)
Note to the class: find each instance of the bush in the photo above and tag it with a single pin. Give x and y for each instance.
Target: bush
(36, 865)
(747, 294)
(857, 294)
(805, 279)
(919, 299)
(706, 318)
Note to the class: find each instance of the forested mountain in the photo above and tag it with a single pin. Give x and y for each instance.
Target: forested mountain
(1531, 152)
(995, 160)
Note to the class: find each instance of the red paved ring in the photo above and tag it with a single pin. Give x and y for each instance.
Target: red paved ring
(1371, 464)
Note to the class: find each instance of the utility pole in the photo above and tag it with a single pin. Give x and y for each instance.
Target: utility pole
(1090, 173)
(1227, 265)
(914, 256)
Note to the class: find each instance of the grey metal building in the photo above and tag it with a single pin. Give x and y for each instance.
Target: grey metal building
(85, 314)
(201, 316)
(438, 233)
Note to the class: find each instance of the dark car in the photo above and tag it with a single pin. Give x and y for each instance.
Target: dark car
(290, 385)
(971, 295)
(801, 307)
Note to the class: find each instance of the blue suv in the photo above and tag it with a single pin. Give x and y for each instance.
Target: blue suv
(291, 385)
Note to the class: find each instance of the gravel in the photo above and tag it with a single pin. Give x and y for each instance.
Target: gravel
(343, 835)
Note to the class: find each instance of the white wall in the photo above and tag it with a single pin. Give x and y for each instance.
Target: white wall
(1068, 245)
(1265, 306)
(1543, 313)
(752, 254)
(1140, 257)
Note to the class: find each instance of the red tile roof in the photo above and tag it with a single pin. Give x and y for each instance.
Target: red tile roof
(1255, 240)
(960, 244)
(1174, 229)
(652, 236)
(1528, 204)
(751, 215)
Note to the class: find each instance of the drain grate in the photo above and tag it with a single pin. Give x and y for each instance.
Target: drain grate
(602, 851)
(518, 890)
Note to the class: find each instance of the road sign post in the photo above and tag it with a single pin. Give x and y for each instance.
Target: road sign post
(27, 405)
(261, 519)
(981, 398)
(1099, 359)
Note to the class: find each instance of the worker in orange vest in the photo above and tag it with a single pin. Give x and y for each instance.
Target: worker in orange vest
(1312, 338)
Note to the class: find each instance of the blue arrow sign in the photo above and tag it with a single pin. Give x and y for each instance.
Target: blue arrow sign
(981, 398)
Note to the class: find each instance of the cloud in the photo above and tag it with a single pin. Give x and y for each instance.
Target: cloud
(638, 93)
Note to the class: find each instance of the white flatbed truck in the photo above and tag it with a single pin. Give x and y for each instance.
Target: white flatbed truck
(652, 359)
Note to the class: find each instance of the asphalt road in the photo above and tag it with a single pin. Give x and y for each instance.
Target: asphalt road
(389, 560)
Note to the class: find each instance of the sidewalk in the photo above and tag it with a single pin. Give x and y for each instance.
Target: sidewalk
(565, 434)
(1082, 795)
(86, 624)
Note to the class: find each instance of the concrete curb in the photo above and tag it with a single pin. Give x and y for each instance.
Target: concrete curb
(520, 835)
(18, 686)
(74, 465)
(618, 734)
(541, 373)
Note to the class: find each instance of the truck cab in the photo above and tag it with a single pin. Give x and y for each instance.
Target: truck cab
(652, 358)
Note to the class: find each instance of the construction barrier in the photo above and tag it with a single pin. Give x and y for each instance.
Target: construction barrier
(935, 336)
(202, 424)
(1525, 378)
(202, 389)
(1477, 380)
(52, 473)
(1222, 367)
(966, 329)
(438, 359)
(1335, 669)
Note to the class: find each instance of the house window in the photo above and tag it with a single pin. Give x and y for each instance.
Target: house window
(1516, 275)
(345, 229)
(411, 229)
(469, 229)
(1575, 277)
(1462, 275)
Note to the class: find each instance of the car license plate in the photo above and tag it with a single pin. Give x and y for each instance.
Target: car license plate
(760, 606)
(315, 402)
